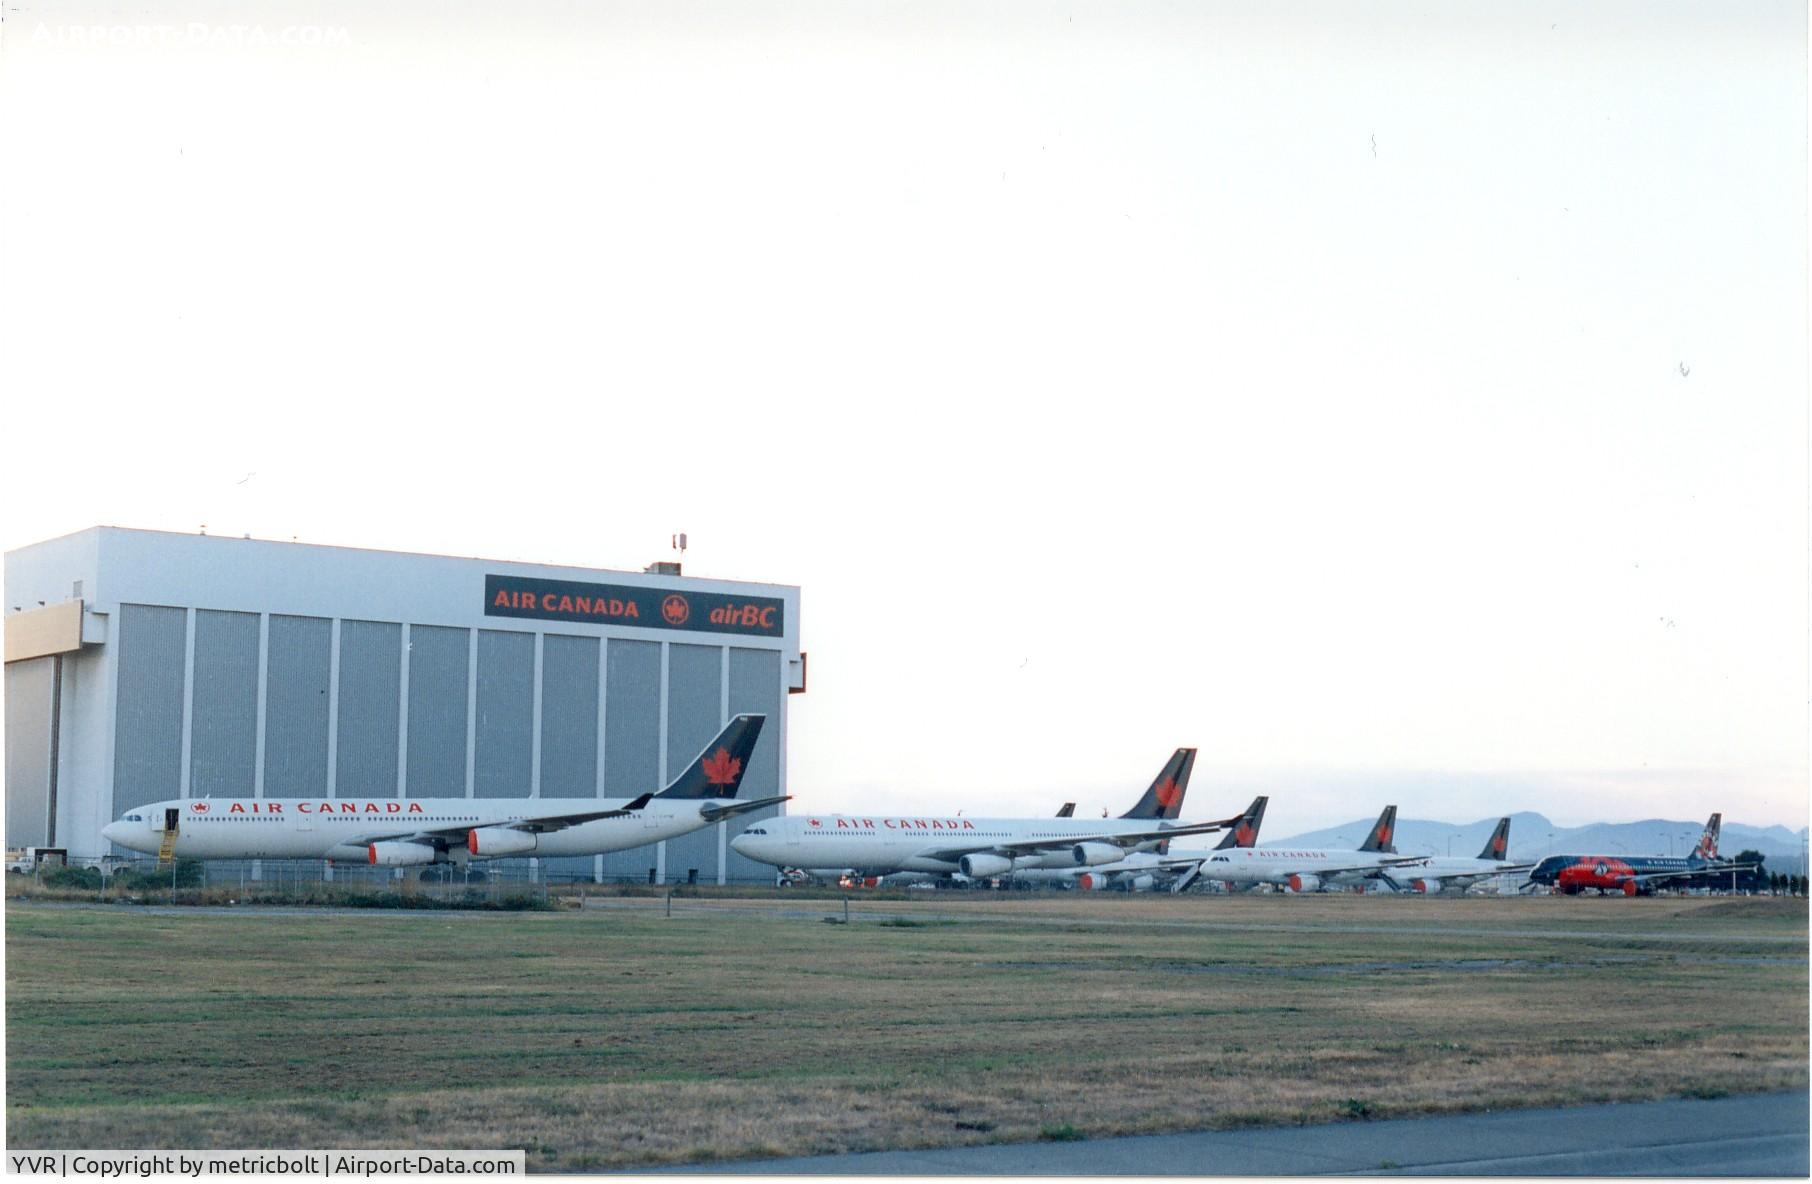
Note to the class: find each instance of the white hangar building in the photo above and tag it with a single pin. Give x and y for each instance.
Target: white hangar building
(143, 665)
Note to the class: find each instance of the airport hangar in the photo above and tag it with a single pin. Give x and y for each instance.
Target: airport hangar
(144, 665)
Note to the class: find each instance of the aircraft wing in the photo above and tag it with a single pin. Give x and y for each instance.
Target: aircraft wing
(455, 836)
(1371, 870)
(1172, 863)
(1131, 838)
(1468, 878)
(732, 809)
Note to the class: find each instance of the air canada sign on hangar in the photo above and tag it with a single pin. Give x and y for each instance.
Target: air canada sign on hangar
(644, 608)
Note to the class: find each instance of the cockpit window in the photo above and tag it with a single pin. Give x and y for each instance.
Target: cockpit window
(133, 818)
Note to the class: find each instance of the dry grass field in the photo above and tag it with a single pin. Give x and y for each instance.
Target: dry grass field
(616, 1035)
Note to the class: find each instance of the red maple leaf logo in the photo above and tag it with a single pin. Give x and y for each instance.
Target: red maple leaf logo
(1384, 836)
(721, 768)
(1168, 794)
(675, 610)
(199, 807)
(1243, 836)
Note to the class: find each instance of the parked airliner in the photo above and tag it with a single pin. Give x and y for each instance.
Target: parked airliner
(848, 877)
(1445, 871)
(1633, 875)
(1303, 869)
(401, 832)
(979, 848)
(1144, 871)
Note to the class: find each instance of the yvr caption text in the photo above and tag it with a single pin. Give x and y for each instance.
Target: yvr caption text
(137, 1165)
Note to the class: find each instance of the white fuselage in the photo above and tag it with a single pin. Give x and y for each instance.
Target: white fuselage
(1450, 870)
(1275, 865)
(341, 828)
(876, 844)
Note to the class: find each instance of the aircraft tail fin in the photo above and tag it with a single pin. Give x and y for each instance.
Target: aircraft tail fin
(1245, 829)
(1497, 846)
(1708, 842)
(1164, 800)
(1383, 831)
(717, 772)
(1066, 810)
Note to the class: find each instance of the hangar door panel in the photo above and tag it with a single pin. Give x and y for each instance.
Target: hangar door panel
(223, 735)
(371, 684)
(695, 688)
(147, 744)
(503, 760)
(569, 731)
(632, 736)
(28, 686)
(295, 707)
(437, 712)
(755, 685)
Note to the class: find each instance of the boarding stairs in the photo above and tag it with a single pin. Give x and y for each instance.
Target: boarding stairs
(166, 850)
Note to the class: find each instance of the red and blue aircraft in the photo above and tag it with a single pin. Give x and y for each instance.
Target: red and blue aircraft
(1632, 875)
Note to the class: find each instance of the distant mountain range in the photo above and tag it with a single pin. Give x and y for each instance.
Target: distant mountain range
(1532, 836)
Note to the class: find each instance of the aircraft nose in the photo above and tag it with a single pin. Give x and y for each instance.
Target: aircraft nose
(742, 844)
(112, 831)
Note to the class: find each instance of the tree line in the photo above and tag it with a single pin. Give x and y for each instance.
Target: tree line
(1758, 879)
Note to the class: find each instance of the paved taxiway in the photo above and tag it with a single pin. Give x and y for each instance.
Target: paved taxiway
(1754, 1135)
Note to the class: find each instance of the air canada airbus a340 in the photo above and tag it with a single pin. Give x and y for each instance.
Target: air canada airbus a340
(980, 848)
(402, 832)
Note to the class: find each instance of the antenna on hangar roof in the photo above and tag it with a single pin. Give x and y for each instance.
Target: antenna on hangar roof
(670, 567)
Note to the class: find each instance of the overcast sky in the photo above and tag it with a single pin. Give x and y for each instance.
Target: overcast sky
(1399, 402)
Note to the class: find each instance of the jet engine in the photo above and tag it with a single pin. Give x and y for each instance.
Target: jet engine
(1090, 854)
(981, 866)
(1428, 884)
(395, 853)
(1140, 883)
(492, 842)
(1088, 882)
(1305, 883)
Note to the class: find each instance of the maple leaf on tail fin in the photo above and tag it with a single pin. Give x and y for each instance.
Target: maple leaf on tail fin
(1164, 799)
(1498, 845)
(1245, 831)
(1382, 832)
(721, 768)
(718, 771)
